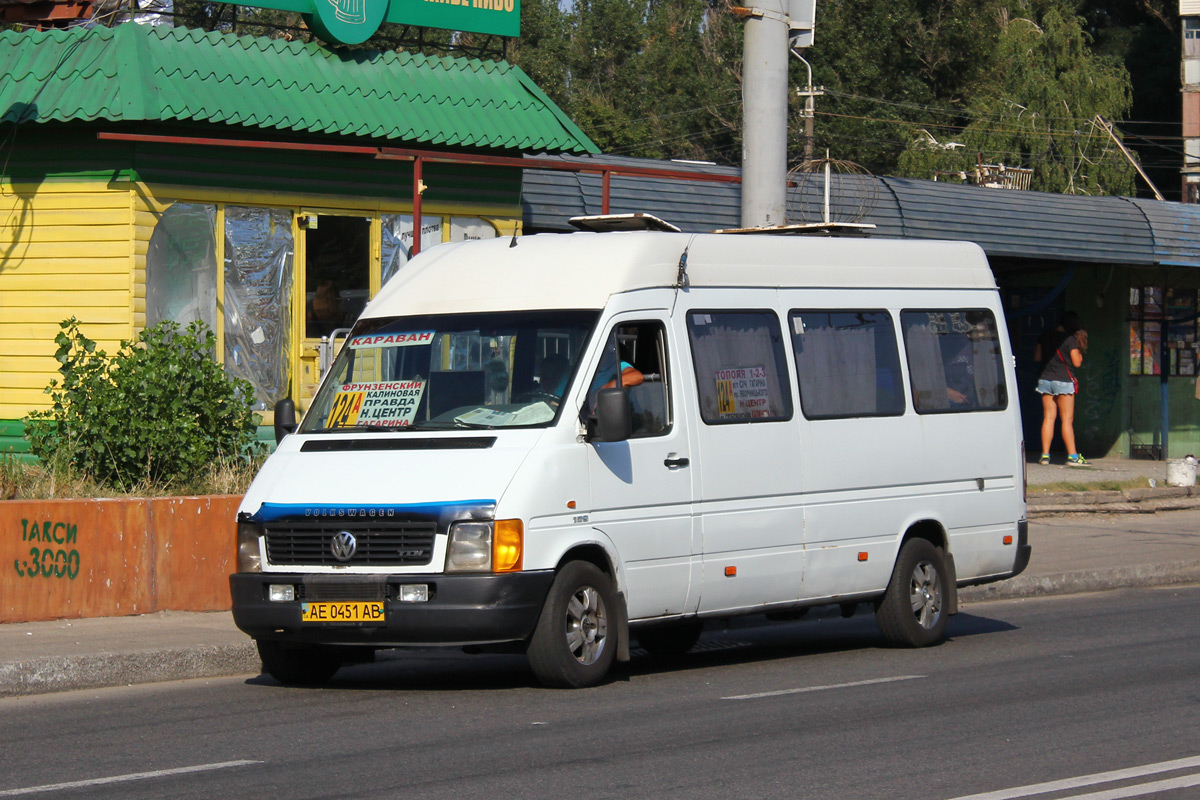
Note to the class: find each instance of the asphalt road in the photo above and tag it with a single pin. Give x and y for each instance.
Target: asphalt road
(1024, 692)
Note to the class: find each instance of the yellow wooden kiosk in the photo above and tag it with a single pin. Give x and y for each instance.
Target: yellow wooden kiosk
(266, 187)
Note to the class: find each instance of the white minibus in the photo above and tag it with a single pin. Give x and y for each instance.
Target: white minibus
(576, 444)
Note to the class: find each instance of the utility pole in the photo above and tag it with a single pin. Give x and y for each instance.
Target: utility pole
(808, 93)
(770, 27)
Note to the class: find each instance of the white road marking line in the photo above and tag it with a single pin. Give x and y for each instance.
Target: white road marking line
(823, 688)
(136, 776)
(1087, 780)
(1141, 789)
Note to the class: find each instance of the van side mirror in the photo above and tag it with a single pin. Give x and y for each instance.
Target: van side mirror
(285, 418)
(614, 416)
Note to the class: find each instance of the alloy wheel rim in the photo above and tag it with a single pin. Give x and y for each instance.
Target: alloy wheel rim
(925, 593)
(587, 625)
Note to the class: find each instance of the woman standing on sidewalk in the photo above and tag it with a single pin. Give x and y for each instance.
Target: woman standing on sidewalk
(1061, 350)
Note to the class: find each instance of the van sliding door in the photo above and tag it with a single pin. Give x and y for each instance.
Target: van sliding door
(750, 482)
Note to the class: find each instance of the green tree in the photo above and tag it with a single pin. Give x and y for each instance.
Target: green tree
(1037, 108)
(891, 68)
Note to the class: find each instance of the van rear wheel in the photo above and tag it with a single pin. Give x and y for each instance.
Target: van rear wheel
(298, 665)
(574, 643)
(913, 610)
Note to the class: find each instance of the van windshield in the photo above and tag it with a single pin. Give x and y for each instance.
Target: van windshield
(488, 370)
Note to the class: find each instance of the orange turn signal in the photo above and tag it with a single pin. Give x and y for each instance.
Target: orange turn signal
(731, 572)
(508, 539)
(862, 556)
(1008, 540)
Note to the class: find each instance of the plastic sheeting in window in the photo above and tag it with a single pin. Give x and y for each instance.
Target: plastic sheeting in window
(259, 258)
(181, 266)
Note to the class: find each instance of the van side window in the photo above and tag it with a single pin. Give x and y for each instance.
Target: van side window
(640, 351)
(954, 360)
(847, 364)
(741, 371)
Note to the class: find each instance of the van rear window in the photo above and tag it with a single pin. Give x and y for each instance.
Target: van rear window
(741, 372)
(847, 363)
(954, 360)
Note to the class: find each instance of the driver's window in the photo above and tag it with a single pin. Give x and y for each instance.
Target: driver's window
(636, 352)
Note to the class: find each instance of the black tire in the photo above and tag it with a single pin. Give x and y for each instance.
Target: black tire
(298, 665)
(913, 611)
(575, 640)
(670, 640)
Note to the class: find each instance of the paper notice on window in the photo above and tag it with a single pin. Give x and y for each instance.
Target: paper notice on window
(742, 392)
(390, 404)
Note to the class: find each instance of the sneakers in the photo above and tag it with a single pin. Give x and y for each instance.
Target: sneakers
(1077, 460)
(1044, 460)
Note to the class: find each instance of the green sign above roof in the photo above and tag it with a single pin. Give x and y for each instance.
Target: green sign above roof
(156, 73)
(355, 21)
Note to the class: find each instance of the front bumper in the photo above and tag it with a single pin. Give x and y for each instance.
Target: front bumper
(462, 609)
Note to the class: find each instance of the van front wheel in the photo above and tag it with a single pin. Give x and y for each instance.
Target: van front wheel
(574, 642)
(913, 611)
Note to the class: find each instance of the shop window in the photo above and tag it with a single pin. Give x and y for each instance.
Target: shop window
(741, 372)
(181, 266)
(397, 240)
(847, 364)
(1153, 311)
(954, 361)
(259, 254)
(464, 229)
(337, 272)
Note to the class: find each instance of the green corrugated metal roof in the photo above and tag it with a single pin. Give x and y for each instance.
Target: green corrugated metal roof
(143, 73)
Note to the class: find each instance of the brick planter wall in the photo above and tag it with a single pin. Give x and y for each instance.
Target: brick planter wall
(64, 559)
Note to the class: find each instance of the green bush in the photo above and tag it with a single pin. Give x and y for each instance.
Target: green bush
(157, 414)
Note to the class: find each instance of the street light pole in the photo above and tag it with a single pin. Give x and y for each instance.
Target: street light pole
(771, 28)
(764, 115)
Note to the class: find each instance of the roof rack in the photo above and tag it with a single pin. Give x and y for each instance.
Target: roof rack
(829, 228)
(623, 222)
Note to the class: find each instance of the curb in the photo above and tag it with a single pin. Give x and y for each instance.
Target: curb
(1108, 503)
(1083, 581)
(67, 673)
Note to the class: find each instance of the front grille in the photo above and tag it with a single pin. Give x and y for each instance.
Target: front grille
(315, 590)
(379, 543)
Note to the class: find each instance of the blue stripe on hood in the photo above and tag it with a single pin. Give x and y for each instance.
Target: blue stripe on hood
(269, 512)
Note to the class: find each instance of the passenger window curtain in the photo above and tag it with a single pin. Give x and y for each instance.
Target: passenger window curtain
(925, 365)
(728, 352)
(837, 372)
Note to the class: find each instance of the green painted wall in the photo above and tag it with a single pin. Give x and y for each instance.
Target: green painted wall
(71, 150)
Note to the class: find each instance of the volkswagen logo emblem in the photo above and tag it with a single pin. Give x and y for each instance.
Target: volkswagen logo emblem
(343, 545)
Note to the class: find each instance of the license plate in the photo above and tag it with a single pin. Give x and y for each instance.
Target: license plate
(341, 612)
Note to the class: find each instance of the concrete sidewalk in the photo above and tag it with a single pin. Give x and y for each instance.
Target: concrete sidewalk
(1075, 549)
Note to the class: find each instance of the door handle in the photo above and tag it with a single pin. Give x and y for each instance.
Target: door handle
(673, 461)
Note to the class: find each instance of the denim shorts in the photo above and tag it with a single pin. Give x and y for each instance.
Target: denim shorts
(1055, 387)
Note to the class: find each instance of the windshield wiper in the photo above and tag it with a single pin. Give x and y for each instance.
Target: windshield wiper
(359, 429)
(462, 423)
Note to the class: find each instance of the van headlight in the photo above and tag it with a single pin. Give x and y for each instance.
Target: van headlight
(249, 556)
(486, 546)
